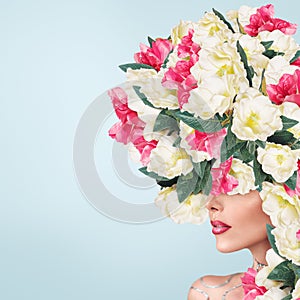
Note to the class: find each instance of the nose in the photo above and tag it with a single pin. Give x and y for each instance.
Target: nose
(214, 204)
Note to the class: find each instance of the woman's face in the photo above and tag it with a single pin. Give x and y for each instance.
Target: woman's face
(238, 221)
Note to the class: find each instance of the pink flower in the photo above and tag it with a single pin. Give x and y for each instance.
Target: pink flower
(291, 192)
(222, 181)
(180, 77)
(207, 142)
(263, 21)
(130, 128)
(187, 47)
(251, 290)
(154, 56)
(145, 148)
(296, 62)
(287, 90)
(298, 234)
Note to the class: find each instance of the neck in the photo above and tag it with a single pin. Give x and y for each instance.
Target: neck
(259, 254)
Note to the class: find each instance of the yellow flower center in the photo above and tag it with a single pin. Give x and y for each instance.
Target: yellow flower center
(225, 69)
(280, 159)
(252, 121)
(213, 30)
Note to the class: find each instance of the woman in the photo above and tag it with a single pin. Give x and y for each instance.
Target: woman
(213, 111)
(238, 222)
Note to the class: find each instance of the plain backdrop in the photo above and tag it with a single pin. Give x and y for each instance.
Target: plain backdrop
(56, 57)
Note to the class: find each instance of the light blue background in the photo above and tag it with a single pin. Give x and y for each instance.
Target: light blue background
(56, 58)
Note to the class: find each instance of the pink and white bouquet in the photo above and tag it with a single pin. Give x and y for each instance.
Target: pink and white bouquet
(214, 108)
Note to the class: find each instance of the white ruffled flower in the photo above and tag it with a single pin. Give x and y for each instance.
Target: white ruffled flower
(255, 117)
(281, 208)
(278, 160)
(243, 15)
(220, 60)
(181, 30)
(210, 30)
(245, 176)
(292, 111)
(273, 260)
(197, 155)
(169, 161)
(150, 83)
(192, 210)
(286, 241)
(296, 291)
(281, 42)
(214, 95)
(278, 66)
(273, 294)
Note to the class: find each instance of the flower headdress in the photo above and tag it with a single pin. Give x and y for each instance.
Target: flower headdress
(214, 109)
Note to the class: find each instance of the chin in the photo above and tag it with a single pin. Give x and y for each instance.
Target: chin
(227, 247)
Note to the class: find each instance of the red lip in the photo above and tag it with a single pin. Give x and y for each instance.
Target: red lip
(219, 227)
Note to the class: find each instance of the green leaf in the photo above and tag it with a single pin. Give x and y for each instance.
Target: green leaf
(167, 183)
(260, 175)
(263, 87)
(271, 53)
(247, 151)
(288, 123)
(134, 66)
(292, 181)
(218, 14)
(283, 273)
(208, 185)
(230, 145)
(295, 145)
(142, 96)
(200, 168)
(288, 297)
(150, 41)
(260, 144)
(249, 70)
(165, 121)
(164, 65)
(282, 137)
(267, 44)
(208, 126)
(271, 238)
(297, 55)
(186, 185)
(153, 175)
(177, 142)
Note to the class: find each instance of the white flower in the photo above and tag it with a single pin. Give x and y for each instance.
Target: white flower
(197, 155)
(169, 161)
(281, 42)
(278, 66)
(292, 111)
(273, 294)
(243, 15)
(245, 176)
(255, 117)
(286, 241)
(278, 160)
(214, 95)
(281, 208)
(181, 30)
(210, 30)
(296, 291)
(220, 60)
(273, 260)
(150, 83)
(192, 210)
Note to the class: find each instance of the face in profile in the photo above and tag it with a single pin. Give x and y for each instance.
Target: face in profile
(238, 221)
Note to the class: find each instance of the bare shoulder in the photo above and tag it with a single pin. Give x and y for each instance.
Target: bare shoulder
(212, 286)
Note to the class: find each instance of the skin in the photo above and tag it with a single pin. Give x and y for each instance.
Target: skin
(248, 231)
